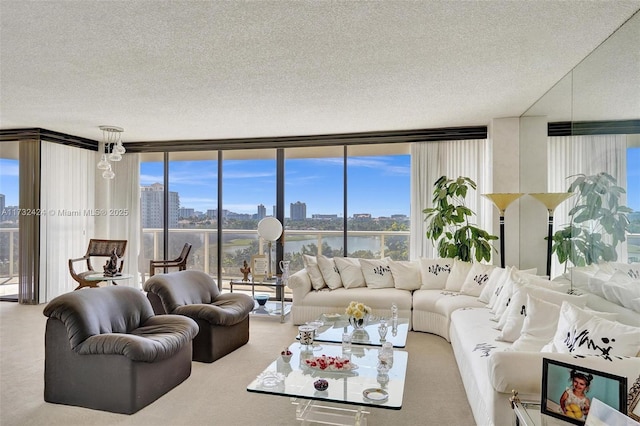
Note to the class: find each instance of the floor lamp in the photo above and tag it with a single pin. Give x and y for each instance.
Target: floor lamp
(551, 200)
(502, 201)
(270, 230)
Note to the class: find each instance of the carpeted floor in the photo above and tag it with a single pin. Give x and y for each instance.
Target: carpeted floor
(215, 394)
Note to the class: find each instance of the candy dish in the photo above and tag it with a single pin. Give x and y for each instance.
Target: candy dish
(321, 385)
(375, 394)
(270, 379)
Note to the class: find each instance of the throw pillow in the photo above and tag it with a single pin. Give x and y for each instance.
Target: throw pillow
(515, 276)
(329, 272)
(311, 265)
(513, 319)
(435, 273)
(350, 272)
(476, 279)
(582, 333)
(501, 280)
(497, 275)
(406, 274)
(377, 273)
(539, 325)
(458, 274)
(631, 270)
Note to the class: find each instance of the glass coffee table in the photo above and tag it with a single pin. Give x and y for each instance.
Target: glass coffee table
(335, 325)
(349, 392)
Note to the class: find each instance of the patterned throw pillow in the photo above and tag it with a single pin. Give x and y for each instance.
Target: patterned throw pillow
(495, 278)
(311, 265)
(582, 333)
(377, 273)
(329, 272)
(476, 279)
(350, 272)
(457, 276)
(435, 273)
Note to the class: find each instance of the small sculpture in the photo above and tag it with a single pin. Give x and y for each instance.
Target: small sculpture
(111, 266)
(246, 270)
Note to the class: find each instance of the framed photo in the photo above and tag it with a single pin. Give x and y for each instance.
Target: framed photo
(634, 400)
(259, 267)
(567, 391)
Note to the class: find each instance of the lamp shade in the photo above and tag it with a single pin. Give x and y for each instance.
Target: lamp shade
(551, 200)
(270, 228)
(502, 200)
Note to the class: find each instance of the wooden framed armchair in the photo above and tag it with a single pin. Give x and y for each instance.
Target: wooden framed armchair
(179, 262)
(97, 248)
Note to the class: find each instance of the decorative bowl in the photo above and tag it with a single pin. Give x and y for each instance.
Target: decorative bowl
(321, 385)
(262, 299)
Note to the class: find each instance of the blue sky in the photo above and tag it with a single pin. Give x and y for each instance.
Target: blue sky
(374, 183)
(316, 182)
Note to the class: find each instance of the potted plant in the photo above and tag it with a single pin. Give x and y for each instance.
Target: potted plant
(597, 222)
(449, 225)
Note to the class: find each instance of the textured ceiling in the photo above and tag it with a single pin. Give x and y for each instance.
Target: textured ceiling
(168, 70)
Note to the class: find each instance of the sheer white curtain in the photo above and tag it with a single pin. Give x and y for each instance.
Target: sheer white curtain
(120, 198)
(572, 155)
(67, 195)
(429, 161)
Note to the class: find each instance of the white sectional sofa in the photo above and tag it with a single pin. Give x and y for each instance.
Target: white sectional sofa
(466, 304)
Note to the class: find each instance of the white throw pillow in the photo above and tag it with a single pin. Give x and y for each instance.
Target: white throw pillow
(350, 272)
(582, 333)
(513, 319)
(329, 272)
(476, 279)
(377, 273)
(539, 325)
(631, 270)
(495, 277)
(515, 276)
(435, 273)
(312, 268)
(501, 280)
(458, 274)
(406, 274)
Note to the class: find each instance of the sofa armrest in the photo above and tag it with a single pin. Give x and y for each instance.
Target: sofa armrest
(522, 371)
(300, 284)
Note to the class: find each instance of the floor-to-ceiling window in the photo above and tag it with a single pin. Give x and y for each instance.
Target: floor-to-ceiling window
(152, 178)
(9, 218)
(193, 203)
(314, 203)
(378, 201)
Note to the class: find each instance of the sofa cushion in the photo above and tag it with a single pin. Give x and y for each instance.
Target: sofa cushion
(350, 272)
(458, 275)
(312, 268)
(476, 279)
(519, 307)
(406, 274)
(377, 273)
(582, 333)
(442, 302)
(329, 272)
(435, 273)
(341, 297)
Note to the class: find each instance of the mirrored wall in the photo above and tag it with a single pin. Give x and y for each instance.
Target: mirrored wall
(593, 117)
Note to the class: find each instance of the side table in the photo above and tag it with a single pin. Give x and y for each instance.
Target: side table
(528, 413)
(98, 277)
(277, 284)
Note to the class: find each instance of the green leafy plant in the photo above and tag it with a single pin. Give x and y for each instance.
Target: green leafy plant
(598, 223)
(449, 225)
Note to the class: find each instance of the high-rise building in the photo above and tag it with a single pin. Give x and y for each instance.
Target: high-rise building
(151, 206)
(262, 211)
(185, 212)
(298, 211)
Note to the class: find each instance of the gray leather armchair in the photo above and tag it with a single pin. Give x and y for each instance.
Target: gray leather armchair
(223, 319)
(105, 349)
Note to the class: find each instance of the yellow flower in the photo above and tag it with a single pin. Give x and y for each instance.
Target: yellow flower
(360, 307)
(358, 314)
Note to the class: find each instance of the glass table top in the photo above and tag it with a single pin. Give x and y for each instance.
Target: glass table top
(364, 385)
(334, 325)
